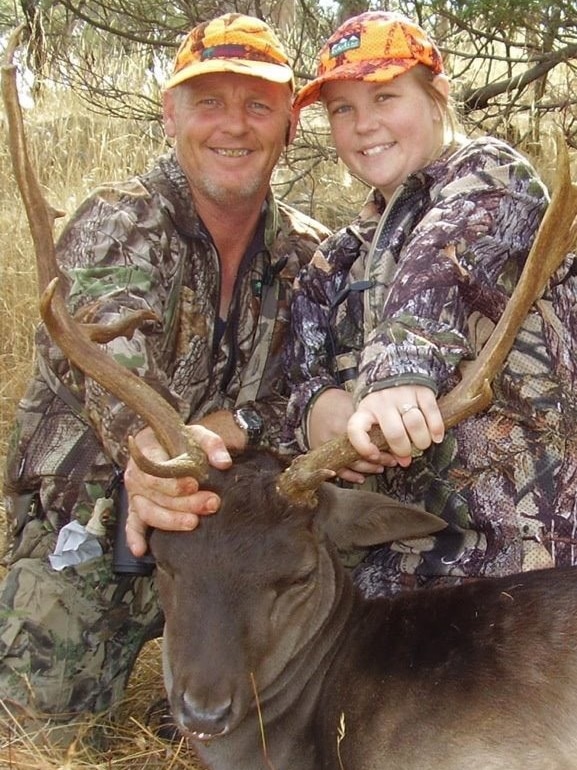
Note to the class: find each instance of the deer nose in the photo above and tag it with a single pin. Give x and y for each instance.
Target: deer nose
(205, 721)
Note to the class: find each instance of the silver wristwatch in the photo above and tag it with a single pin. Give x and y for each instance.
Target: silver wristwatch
(250, 421)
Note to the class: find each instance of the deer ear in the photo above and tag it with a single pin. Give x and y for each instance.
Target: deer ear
(351, 517)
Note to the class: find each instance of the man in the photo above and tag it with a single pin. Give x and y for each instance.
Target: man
(201, 241)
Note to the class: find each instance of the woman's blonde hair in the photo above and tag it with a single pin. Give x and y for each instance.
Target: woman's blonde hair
(451, 124)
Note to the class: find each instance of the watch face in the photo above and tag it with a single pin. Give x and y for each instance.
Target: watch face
(250, 421)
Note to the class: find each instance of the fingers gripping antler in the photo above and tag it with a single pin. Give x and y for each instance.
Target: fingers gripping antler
(557, 236)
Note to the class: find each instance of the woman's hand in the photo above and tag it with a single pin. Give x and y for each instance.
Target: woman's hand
(173, 504)
(407, 415)
(328, 419)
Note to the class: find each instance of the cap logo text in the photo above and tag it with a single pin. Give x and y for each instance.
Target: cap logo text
(227, 51)
(345, 44)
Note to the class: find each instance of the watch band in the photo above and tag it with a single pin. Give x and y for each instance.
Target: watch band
(250, 421)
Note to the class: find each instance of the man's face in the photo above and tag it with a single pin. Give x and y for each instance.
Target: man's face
(230, 131)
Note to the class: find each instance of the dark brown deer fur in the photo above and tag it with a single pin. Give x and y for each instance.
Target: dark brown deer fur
(274, 660)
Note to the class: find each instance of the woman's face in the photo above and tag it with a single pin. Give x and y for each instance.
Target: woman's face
(385, 131)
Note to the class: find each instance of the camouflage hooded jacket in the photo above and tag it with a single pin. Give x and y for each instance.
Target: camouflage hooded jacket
(405, 295)
(140, 245)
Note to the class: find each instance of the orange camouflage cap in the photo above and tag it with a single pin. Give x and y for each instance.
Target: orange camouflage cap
(375, 46)
(232, 43)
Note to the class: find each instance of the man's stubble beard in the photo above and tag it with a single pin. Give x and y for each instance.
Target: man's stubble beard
(227, 196)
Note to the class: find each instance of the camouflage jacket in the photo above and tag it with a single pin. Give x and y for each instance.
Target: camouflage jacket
(408, 293)
(138, 245)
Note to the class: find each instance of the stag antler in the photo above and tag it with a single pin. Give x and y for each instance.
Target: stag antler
(555, 238)
(76, 339)
(187, 459)
(40, 215)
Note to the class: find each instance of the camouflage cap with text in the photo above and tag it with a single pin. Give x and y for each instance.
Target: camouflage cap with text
(232, 43)
(375, 46)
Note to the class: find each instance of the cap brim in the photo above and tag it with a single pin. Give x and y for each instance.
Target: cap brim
(369, 72)
(275, 73)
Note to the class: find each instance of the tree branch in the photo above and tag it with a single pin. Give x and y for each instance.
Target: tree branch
(479, 98)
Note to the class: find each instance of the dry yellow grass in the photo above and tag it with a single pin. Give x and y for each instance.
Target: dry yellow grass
(129, 741)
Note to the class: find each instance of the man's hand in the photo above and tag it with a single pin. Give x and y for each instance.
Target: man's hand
(172, 504)
(223, 423)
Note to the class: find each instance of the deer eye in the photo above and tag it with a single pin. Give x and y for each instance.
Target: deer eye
(294, 581)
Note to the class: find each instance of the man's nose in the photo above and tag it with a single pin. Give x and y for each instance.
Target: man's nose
(236, 118)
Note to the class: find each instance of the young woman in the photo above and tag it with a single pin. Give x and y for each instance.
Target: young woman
(392, 306)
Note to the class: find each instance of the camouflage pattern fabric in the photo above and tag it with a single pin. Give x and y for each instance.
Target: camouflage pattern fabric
(69, 639)
(133, 245)
(441, 261)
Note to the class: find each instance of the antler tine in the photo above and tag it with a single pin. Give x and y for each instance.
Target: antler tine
(40, 215)
(556, 237)
(187, 458)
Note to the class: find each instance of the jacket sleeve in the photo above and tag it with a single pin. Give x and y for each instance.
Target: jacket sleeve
(459, 264)
(116, 265)
(308, 360)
